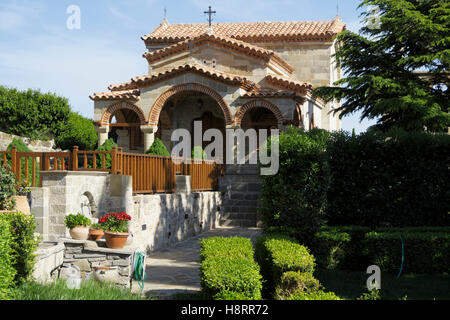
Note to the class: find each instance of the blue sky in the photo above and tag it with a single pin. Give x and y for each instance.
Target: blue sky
(38, 51)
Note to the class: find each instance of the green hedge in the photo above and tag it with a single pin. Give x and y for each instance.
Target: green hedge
(427, 249)
(396, 179)
(279, 254)
(23, 244)
(340, 248)
(317, 295)
(32, 114)
(228, 270)
(80, 132)
(7, 271)
(424, 252)
(296, 196)
(108, 145)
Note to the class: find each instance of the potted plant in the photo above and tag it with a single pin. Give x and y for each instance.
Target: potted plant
(116, 229)
(78, 226)
(21, 197)
(96, 232)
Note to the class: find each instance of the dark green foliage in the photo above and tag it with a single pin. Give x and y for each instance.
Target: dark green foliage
(228, 271)
(79, 131)
(340, 248)
(32, 114)
(425, 252)
(23, 244)
(7, 271)
(279, 254)
(7, 188)
(198, 153)
(395, 179)
(158, 149)
(296, 196)
(380, 69)
(108, 145)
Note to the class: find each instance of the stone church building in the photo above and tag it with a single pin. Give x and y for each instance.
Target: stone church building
(229, 75)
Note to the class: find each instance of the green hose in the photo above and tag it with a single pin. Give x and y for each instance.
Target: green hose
(139, 269)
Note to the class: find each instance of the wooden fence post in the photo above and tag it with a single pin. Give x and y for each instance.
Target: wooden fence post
(75, 158)
(14, 160)
(114, 160)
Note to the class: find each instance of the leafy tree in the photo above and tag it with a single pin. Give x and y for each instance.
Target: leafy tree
(79, 132)
(158, 149)
(381, 65)
(32, 114)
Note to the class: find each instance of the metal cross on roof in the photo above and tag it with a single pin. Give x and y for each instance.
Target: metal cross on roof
(210, 13)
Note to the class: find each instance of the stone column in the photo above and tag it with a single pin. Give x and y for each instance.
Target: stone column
(102, 134)
(149, 136)
(123, 139)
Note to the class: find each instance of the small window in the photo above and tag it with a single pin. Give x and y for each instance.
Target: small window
(214, 63)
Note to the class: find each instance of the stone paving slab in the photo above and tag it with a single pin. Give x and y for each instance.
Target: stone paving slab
(176, 269)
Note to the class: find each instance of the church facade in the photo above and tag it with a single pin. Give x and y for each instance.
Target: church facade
(227, 75)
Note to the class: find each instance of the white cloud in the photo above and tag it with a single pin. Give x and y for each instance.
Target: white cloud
(16, 14)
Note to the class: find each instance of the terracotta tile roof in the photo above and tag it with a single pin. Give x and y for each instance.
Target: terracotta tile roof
(115, 95)
(268, 93)
(223, 41)
(199, 69)
(122, 86)
(289, 84)
(250, 31)
(130, 89)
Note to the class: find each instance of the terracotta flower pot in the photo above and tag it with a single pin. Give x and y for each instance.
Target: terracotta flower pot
(116, 240)
(22, 204)
(79, 233)
(96, 234)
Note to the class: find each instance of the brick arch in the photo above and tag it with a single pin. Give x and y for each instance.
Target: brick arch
(113, 108)
(163, 98)
(258, 104)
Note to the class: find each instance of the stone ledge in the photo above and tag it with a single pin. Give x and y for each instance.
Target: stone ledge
(74, 173)
(101, 246)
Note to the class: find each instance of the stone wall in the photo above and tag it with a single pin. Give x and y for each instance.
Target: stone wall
(34, 145)
(158, 220)
(161, 220)
(54, 258)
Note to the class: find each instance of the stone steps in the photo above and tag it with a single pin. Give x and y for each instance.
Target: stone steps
(240, 187)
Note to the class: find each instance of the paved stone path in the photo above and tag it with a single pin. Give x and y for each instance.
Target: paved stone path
(176, 269)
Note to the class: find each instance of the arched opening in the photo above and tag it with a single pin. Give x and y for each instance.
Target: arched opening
(182, 109)
(124, 120)
(259, 118)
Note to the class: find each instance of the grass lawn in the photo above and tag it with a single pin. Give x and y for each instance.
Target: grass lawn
(352, 284)
(89, 290)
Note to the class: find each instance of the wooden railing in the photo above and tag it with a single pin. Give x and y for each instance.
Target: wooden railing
(151, 174)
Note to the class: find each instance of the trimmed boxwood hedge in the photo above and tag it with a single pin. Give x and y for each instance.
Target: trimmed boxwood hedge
(425, 252)
(7, 271)
(278, 254)
(340, 248)
(23, 244)
(427, 249)
(228, 271)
